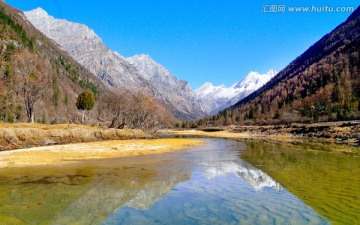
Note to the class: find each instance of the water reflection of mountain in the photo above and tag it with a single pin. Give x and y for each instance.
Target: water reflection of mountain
(135, 187)
(243, 170)
(222, 190)
(85, 195)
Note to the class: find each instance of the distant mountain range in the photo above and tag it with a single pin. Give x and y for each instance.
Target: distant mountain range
(140, 73)
(67, 58)
(216, 98)
(322, 84)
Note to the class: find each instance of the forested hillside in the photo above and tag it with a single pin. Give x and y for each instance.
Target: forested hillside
(39, 82)
(323, 84)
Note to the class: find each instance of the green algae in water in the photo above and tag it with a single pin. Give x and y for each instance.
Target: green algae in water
(36, 196)
(327, 181)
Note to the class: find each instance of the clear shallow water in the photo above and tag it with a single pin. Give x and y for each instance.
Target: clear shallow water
(211, 184)
(328, 182)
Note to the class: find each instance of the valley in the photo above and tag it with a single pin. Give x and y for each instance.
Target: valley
(127, 89)
(139, 93)
(90, 135)
(140, 73)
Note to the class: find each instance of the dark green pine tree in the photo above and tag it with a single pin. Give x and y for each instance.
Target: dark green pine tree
(85, 101)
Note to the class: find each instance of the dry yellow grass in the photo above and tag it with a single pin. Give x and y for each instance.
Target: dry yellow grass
(232, 135)
(24, 135)
(218, 134)
(64, 154)
(282, 139)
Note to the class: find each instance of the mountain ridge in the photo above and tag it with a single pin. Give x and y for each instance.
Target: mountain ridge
(216, 98)
(84, 45)
(167, 85)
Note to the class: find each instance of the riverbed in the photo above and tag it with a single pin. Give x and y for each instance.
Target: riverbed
(220, 182)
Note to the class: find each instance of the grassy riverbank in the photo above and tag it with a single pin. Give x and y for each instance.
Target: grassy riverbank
(24, 135)
(340, 136)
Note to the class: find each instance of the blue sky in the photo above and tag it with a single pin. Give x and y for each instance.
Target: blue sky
(218, 41)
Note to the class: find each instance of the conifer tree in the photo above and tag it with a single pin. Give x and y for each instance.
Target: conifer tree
(85, 101)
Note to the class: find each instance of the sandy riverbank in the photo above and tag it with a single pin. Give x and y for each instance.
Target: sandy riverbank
(65, 154)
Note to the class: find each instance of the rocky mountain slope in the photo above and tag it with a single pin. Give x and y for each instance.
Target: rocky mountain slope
(169, 88)
(87, 48)
(322, 84)
(40, 83)
(56, 80)
(216, 98)
(137, 74)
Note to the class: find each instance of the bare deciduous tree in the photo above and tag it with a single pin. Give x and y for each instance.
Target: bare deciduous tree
(31, 79)
(145, 114)
(118, 106)
(135, 111)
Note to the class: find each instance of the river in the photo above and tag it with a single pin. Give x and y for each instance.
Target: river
(221, 182)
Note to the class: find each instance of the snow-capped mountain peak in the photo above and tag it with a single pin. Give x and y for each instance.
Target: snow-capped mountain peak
(216, 98)
(205, 89)
(209, 89)
(254, 80)
(272, 72)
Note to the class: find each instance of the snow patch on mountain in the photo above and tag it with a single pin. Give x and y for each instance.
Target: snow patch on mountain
(216, 98)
